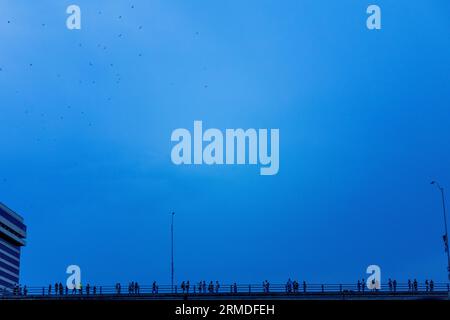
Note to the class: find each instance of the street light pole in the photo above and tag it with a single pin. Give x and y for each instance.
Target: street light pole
(445, 237)
(171, 234)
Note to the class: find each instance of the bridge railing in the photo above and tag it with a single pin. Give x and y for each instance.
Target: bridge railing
(196, 289)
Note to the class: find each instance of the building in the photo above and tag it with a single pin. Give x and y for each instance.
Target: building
(12, 236)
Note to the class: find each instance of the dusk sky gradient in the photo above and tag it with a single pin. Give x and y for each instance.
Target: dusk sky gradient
(364, 119)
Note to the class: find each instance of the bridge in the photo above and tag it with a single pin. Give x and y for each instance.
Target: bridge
(439, 291)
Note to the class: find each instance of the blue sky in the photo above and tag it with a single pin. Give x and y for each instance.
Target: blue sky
(364, 119)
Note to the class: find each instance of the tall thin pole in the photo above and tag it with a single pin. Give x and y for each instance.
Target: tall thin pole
(171, 233)
(445, 225)
(446, 232)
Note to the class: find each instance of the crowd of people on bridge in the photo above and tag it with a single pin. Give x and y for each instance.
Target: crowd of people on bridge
(59, 289)
(213, 287)
(413, 285)
(19, 291)
(201, 287)
(293, 286)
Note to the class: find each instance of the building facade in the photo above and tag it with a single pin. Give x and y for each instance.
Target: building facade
(12, 237)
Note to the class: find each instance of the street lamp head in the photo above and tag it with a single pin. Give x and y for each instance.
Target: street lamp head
(437, 185)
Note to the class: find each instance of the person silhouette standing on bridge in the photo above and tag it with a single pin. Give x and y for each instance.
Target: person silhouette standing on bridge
(390, 285)
(409, 285)
(183, 286)
(295, 286)
(415, 285)
(235, 287)
(211, 287)
(266, 286)
(394, 285)
(374, 285)
(431, 285)
(359, 285)
(426, 285)
(217, 286)
(187, 286)
(304, 286)
(118, 288)
(363, 285)
(288, 285)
